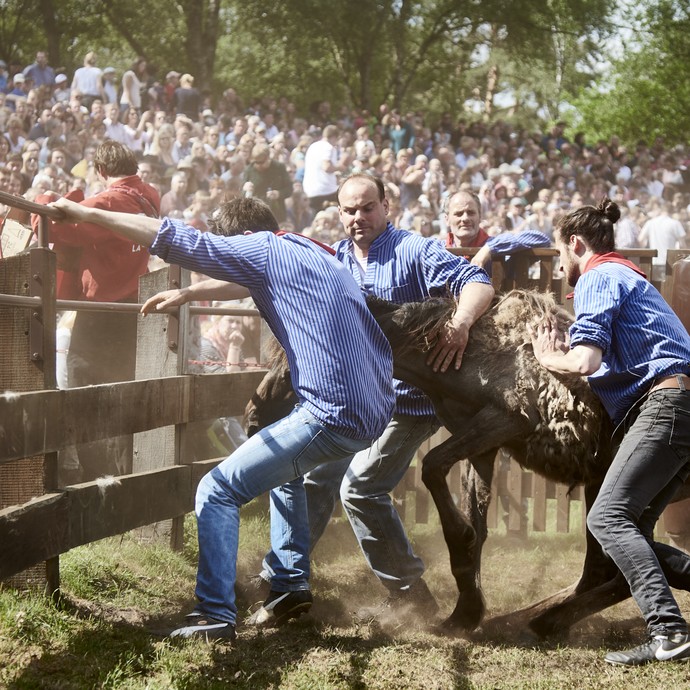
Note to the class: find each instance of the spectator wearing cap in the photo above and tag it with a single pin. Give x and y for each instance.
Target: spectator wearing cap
(61, 90)
(18, 91)
(109, 85)
(40, 72)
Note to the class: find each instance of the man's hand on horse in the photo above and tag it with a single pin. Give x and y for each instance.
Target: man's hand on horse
(450, 346)
(547, 339)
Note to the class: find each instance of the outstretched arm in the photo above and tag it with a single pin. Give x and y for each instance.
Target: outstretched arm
(140, 229)
(210, 289)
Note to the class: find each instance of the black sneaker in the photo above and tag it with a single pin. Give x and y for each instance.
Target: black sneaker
(280, 607)
(414, 601)
(200, 625)
(658, 648)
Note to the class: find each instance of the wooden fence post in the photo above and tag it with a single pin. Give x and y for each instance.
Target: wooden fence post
(160, 352)
(27, 341)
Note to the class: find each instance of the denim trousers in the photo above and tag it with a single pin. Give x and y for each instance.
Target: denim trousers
(278, 454)
(652, 462)
(364, 483)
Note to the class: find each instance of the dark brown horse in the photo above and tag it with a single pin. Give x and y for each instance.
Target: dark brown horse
(500, 398)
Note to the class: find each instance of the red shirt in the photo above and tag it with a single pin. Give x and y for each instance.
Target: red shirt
(109, 265)
(479, 240)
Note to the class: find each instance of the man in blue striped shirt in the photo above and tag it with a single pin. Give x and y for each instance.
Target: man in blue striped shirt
(341, 366)
(400, 267)
(636, 353)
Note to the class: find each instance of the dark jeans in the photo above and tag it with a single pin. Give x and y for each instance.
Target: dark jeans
(653, 461)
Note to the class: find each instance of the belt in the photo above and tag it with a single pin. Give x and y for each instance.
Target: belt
(678, 381)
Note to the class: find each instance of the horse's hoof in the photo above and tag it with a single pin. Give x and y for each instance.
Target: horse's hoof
(463, 621)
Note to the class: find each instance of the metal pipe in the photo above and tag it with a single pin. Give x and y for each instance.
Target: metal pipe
(31, 206)
(83, 305)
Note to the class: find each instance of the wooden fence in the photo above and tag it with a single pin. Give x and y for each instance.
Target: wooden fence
(39, 520)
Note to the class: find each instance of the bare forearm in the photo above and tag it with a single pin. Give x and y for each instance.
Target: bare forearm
(474, 300)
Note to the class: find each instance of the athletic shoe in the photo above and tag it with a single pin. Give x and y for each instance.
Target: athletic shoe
(200, 625)
(658, 648)
(280, 607)
(414, 601)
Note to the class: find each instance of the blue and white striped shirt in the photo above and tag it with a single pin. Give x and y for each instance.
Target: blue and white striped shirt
(621, 313)
(511, 242)
(340, 361)
(403, 267)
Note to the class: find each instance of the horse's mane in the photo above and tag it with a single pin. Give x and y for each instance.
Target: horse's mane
(503, 325)
(506, 323)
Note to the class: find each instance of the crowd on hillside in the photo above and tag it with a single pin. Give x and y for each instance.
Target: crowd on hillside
(197, 150)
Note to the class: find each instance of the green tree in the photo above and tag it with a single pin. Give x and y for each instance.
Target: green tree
(644, 95)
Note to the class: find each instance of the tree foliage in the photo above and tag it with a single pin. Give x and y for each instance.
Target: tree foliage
(645, 94)
(412, 54)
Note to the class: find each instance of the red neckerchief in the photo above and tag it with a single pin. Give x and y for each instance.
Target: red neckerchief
(330, 250)
(610, 257)
(479, 240)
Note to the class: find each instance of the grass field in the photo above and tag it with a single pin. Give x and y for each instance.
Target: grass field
(119, 596)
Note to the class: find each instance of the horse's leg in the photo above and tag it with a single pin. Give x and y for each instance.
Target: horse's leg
(464, 537)
(474, 499)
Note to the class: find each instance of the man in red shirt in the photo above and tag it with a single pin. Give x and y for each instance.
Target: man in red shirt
(103, 344)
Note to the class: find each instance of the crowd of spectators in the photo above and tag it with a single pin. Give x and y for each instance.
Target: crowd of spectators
(197, 150)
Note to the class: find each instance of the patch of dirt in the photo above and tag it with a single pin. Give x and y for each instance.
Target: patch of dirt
(84, 608)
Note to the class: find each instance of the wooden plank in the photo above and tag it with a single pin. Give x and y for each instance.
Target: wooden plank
(562, 509)
(50, 420)
(33, 532)
(27, 342)
(515, 510)
(81, 514)
(421, 504)
(107, 507)
(160, 353)
(156, 447)
(223, 395)
(492, 513)
(539, 503)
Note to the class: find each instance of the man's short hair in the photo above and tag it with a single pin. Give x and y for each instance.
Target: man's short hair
(367, 177)
(113, 159)
(245, 214)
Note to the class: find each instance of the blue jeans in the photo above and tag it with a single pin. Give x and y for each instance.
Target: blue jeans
(278, 454)
(652, 462)
(364, 483)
